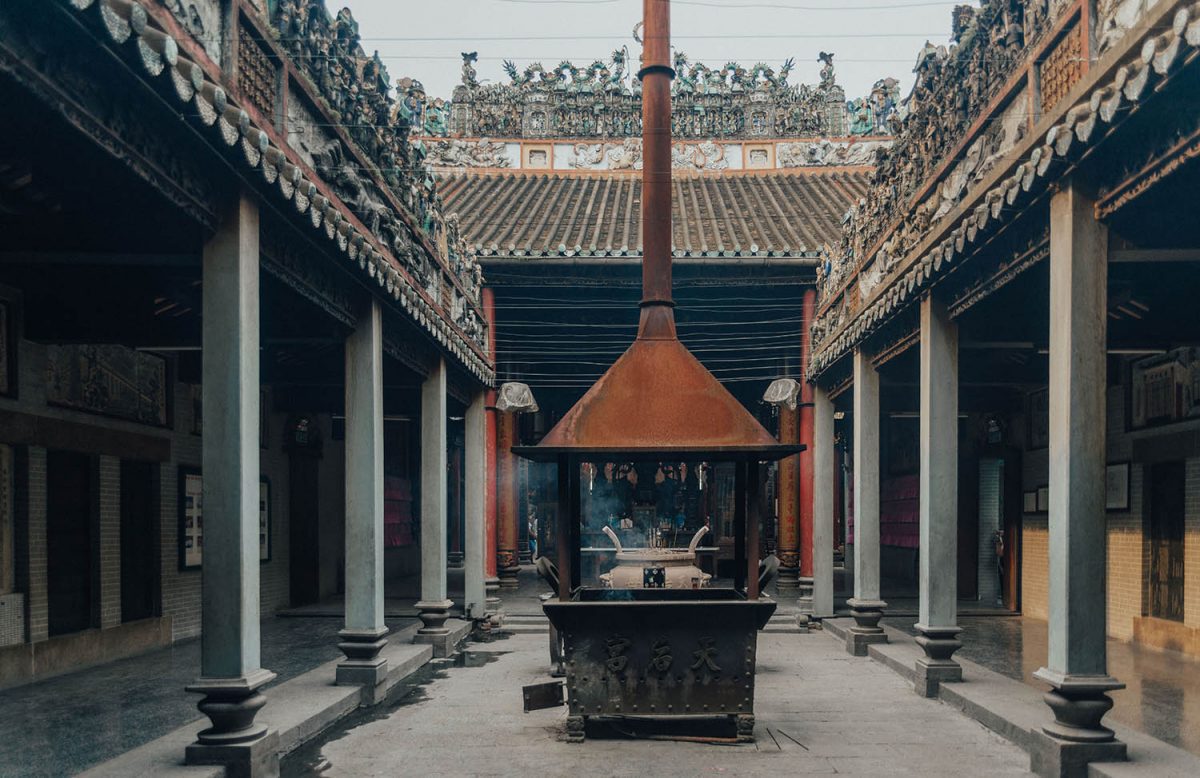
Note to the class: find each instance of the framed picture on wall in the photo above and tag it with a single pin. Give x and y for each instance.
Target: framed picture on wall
(1043, 499)
(191, 518)
(1029, 502)
(1116, 486)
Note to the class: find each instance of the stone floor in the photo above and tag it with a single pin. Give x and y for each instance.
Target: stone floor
(1162, 697)
(63, 725)
(819, 711)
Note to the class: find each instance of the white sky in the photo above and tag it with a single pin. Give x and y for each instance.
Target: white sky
(870, 38)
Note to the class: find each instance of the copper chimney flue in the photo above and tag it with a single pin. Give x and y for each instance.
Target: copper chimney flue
(658, 319)
(657, 399)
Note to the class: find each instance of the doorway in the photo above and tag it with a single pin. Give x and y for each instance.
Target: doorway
(1166, 540)
(304, 527)
(140, 549)
(69, 548)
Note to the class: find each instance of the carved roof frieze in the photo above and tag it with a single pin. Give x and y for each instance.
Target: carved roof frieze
(1140, 67)
(358, 223)
(603, 100)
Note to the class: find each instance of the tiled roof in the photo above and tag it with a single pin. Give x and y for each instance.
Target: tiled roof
(572, 214)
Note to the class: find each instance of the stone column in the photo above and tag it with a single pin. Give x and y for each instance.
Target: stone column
(492, 577)
(434, 606)
(865, 605)
(475, 470)
(492, 581)
(507, 531)
(363, 636)
(230, 673)
(1077, 664)
(937, 624)
(824, 485)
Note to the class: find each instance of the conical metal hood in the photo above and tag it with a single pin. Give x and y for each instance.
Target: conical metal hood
(657, 399)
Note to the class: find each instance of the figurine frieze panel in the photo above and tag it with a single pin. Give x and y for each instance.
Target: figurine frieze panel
(305, 133)
(455, 153)
(202, 20)
(598, 100)
(705, 156)
(825, 152)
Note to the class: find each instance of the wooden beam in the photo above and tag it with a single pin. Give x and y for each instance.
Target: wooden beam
(109, 258)
(28, 429)
(1153, 255)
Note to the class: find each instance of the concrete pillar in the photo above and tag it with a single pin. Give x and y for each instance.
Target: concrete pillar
(866, 605)
(363, 636)
(507, 531)
(491, 577)
(434, 606)
(1077, 667)
(824, 484)
(475, 469)
(492, 581)
(230, 673)
(938, 585)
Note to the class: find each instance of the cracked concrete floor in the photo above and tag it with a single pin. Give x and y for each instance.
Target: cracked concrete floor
(819, 710)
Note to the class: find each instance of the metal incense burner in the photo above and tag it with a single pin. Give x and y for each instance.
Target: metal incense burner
(676, 566)
(680, 654)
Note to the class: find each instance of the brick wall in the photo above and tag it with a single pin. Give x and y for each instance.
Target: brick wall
(37, 603)
(180, 589)
(1128, 550)
(109, 493)
(1035, 566)
(1191, 547)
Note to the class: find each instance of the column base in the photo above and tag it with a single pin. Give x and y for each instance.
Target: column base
(866, 630)
(936, 667)
(231, 705)
(788, 580)
(491, 586)
(455, 559)
(1050, 757)
(1079, 702)
(257, 758)
(508, 577)
(804, 599)
(433, 615)
(363, 666)
(1065, 747)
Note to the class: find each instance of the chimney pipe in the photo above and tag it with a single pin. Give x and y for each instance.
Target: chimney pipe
(658, 318)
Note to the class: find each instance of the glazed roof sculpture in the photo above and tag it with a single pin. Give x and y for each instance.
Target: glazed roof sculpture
(603, 100)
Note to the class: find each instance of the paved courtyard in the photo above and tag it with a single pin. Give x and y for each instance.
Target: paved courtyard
(819, 711)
